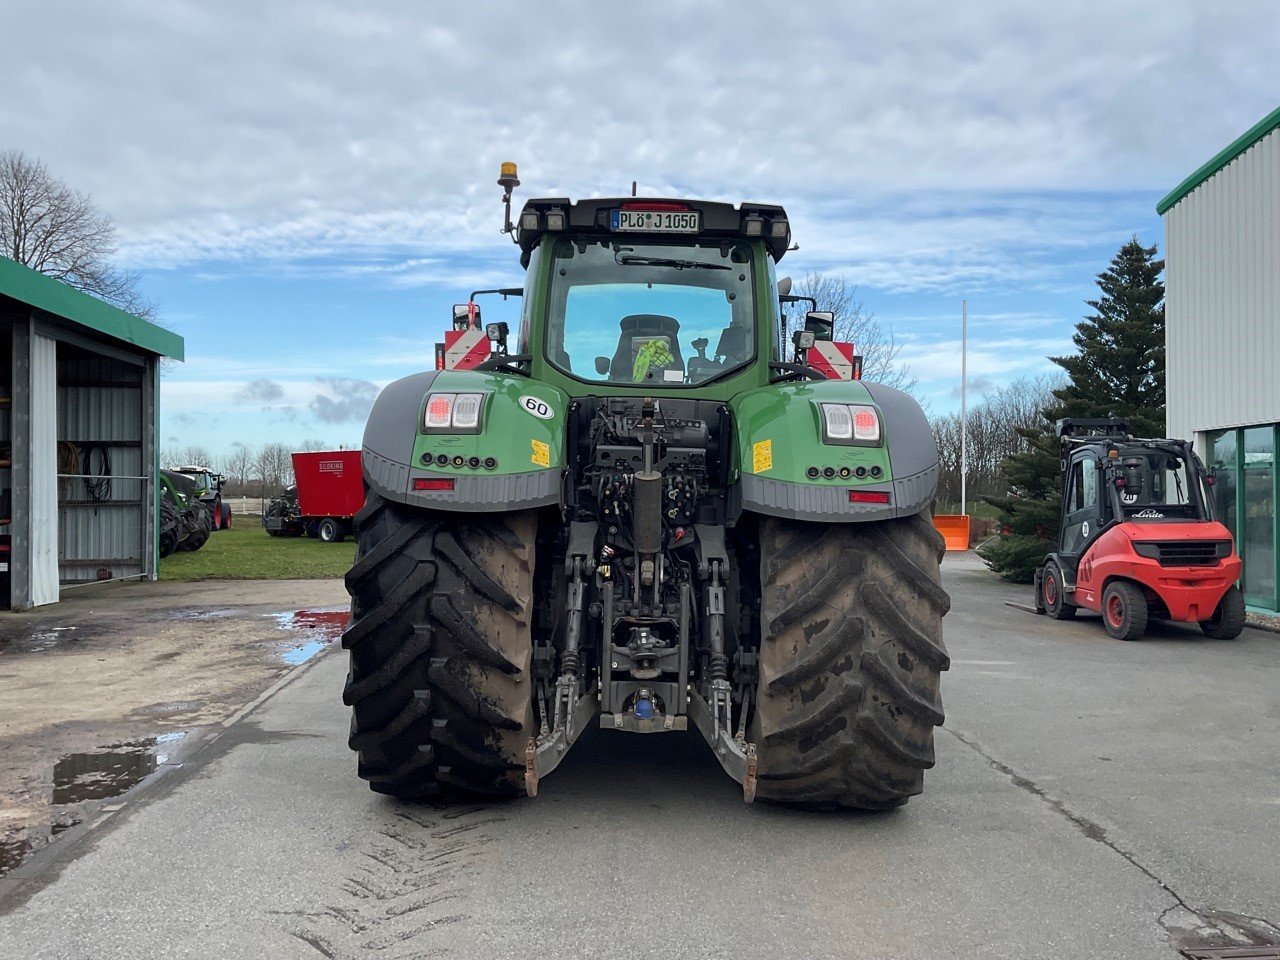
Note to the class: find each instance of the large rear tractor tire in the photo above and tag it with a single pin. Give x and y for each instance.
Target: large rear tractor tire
(850, 662)
(441, 641)
(170, 524)
(199, 524)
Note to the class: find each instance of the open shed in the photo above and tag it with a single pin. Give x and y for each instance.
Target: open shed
(79, 400)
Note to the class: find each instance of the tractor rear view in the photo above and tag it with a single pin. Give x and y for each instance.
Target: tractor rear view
(646, 508)
(1137, 539)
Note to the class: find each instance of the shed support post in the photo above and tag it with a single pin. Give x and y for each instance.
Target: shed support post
(150, 420)
(20, 528)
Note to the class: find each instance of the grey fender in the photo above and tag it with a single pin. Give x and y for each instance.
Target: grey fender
(389, 435)
(389, 470)
(913, 453)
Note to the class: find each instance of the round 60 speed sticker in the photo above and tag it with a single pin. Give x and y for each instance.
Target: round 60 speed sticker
(537, 406)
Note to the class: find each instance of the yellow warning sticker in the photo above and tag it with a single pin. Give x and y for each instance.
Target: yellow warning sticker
(541, 454)
(762, 456)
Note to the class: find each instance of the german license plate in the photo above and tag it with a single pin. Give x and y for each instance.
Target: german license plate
(656, 221)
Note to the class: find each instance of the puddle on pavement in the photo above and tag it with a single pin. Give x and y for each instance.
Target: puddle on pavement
(100, 774)
(110, 771)
(42, 639)
(318, 629)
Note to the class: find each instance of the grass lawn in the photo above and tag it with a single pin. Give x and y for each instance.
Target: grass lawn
(245, 552)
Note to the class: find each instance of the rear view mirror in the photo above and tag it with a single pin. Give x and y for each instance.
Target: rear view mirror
(602, 366)
(821, 323)
(466, 315)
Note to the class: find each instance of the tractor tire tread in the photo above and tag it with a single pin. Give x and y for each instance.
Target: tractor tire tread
(845, 714)
(440, 645)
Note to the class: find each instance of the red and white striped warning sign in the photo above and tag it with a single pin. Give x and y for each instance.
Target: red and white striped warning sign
(833, 359)
(463, 349)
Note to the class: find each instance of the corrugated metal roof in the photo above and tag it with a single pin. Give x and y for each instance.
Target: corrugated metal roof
(53, 296)
(1237, 146)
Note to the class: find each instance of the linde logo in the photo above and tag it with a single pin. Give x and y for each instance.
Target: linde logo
(1148, 514)
(331, 466)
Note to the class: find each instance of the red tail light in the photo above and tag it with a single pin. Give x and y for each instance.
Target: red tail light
(433, 483)
(656, 206)
(868, 496)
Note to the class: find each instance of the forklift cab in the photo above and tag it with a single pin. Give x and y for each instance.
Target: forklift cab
(1086, 511)
(1109, 477)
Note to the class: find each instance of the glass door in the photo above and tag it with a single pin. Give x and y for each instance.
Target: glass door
(1258, 485)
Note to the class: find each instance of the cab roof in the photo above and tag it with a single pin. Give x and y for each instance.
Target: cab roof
(766, 221)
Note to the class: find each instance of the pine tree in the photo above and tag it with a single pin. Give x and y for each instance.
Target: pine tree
(1119, 372)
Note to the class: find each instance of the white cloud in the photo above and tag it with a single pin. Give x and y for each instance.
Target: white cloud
(239, 130)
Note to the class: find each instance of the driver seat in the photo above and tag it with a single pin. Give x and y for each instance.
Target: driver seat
(646, 326)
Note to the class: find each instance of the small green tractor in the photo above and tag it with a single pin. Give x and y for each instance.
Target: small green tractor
(647, 508)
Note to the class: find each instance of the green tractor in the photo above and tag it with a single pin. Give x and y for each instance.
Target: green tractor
(184, 521)
(652, 510)
(208, 489)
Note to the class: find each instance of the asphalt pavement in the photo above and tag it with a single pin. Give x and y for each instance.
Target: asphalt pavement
(1092, 799)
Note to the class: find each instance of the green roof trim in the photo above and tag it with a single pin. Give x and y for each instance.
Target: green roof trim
(1237, 146)
(55, 297)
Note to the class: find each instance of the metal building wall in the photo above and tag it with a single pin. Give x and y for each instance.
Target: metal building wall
(1222, 247)
(103, 524)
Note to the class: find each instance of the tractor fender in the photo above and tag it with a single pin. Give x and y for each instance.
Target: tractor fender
(514, 461)
(780, 445)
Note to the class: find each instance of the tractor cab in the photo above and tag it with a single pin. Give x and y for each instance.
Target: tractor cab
(1137, 531)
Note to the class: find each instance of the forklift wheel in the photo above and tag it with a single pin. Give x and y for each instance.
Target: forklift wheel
(1051, 595)
(1124, 610)
(1228, 619)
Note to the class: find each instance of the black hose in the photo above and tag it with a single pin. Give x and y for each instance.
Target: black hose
(97, 485)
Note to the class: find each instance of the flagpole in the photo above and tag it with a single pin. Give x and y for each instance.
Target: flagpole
(964, 412)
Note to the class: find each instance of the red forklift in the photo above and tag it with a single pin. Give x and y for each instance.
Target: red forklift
(1137, 540)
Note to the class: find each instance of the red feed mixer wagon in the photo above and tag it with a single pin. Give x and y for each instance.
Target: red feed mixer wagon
(1137, 539)
(328, 492)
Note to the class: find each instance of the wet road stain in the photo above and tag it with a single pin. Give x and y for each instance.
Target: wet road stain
(13, 850)
(199, 613)
(170, 708)
(319, 628)
(43, 639)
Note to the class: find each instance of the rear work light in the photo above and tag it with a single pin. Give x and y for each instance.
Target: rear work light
(433, 483)
(849, 423)
(453, 413)
(837, 421)
(868, 496)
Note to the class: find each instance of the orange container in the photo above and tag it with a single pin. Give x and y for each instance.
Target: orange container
(954, 528)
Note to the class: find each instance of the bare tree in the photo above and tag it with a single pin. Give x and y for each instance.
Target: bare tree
(274, 466)
(991, 435)
(238, 463)
(878, 347)
(171, 456)
(312, 445)
(49, 227)
(196, 456)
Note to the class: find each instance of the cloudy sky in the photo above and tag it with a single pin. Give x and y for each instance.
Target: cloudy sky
(307, 186)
